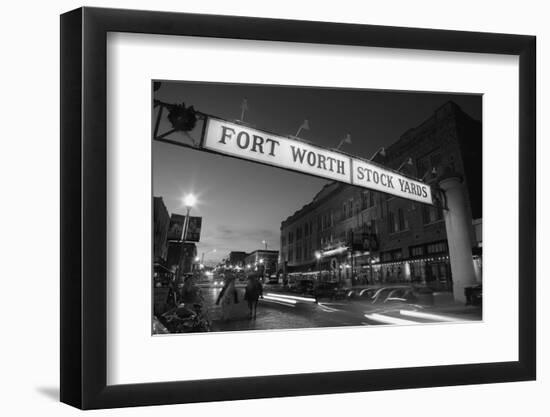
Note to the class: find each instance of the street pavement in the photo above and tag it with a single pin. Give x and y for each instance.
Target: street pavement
(285, 310)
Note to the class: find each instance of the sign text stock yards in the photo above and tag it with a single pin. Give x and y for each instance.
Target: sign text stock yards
(252, 144)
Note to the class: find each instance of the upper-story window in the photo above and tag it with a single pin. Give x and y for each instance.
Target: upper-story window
(402, 221)
(367, 199)
(431, 214)
(397, 222)
(298, 254)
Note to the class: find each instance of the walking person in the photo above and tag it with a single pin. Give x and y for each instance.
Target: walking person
(228, 298)
(252, 292)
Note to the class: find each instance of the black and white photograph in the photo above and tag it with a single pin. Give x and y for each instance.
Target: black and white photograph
(295, 207)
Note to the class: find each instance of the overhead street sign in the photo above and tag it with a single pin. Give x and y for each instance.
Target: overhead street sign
(256, 145)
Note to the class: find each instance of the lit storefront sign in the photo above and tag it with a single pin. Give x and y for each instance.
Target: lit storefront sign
(256, 145)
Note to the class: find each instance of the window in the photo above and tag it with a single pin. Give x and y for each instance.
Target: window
(290, 238)
(397, 254)
(438, 247)
(283, 241)
(367, 199)
(299, 233)
(402, 221)
(431, 214)
(298, 253)
(392, 225)
(306, 229)
(290, 255)
(416, 250)
(391, 255)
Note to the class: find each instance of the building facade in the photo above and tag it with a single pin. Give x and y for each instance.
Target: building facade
(263, 261)
(357, 236)
(236, 259)
(181, 257)
(161, 223)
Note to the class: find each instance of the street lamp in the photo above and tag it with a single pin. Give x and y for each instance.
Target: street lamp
(189, 201)
(408, 161)
(318, 258)
(265, 243)
(380, 151)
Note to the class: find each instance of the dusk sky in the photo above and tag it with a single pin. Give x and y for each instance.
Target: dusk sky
(243, 203)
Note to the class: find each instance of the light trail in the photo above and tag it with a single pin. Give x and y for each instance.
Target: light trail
(280, 303)
(281, 300)
(429, 316)
(327, 309)
(388, 319)
(291, 297)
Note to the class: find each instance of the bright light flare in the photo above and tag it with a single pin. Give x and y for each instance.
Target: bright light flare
(189, 200)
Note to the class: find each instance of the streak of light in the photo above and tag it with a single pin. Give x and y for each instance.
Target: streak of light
(280, 303)
(428, 316)
(388, 319)
(291, 297)
(327, 309)
(282, 300)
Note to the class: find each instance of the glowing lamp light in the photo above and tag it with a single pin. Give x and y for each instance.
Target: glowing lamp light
(189, 200)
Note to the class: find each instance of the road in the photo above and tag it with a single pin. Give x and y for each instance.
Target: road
(284, 310)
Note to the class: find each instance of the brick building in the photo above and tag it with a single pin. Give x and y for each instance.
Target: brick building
(354, 235)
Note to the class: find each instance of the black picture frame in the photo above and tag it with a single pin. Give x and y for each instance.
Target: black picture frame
(84, 207)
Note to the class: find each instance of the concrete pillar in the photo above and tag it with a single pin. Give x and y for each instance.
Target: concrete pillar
(407, 270)
(458, 222)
